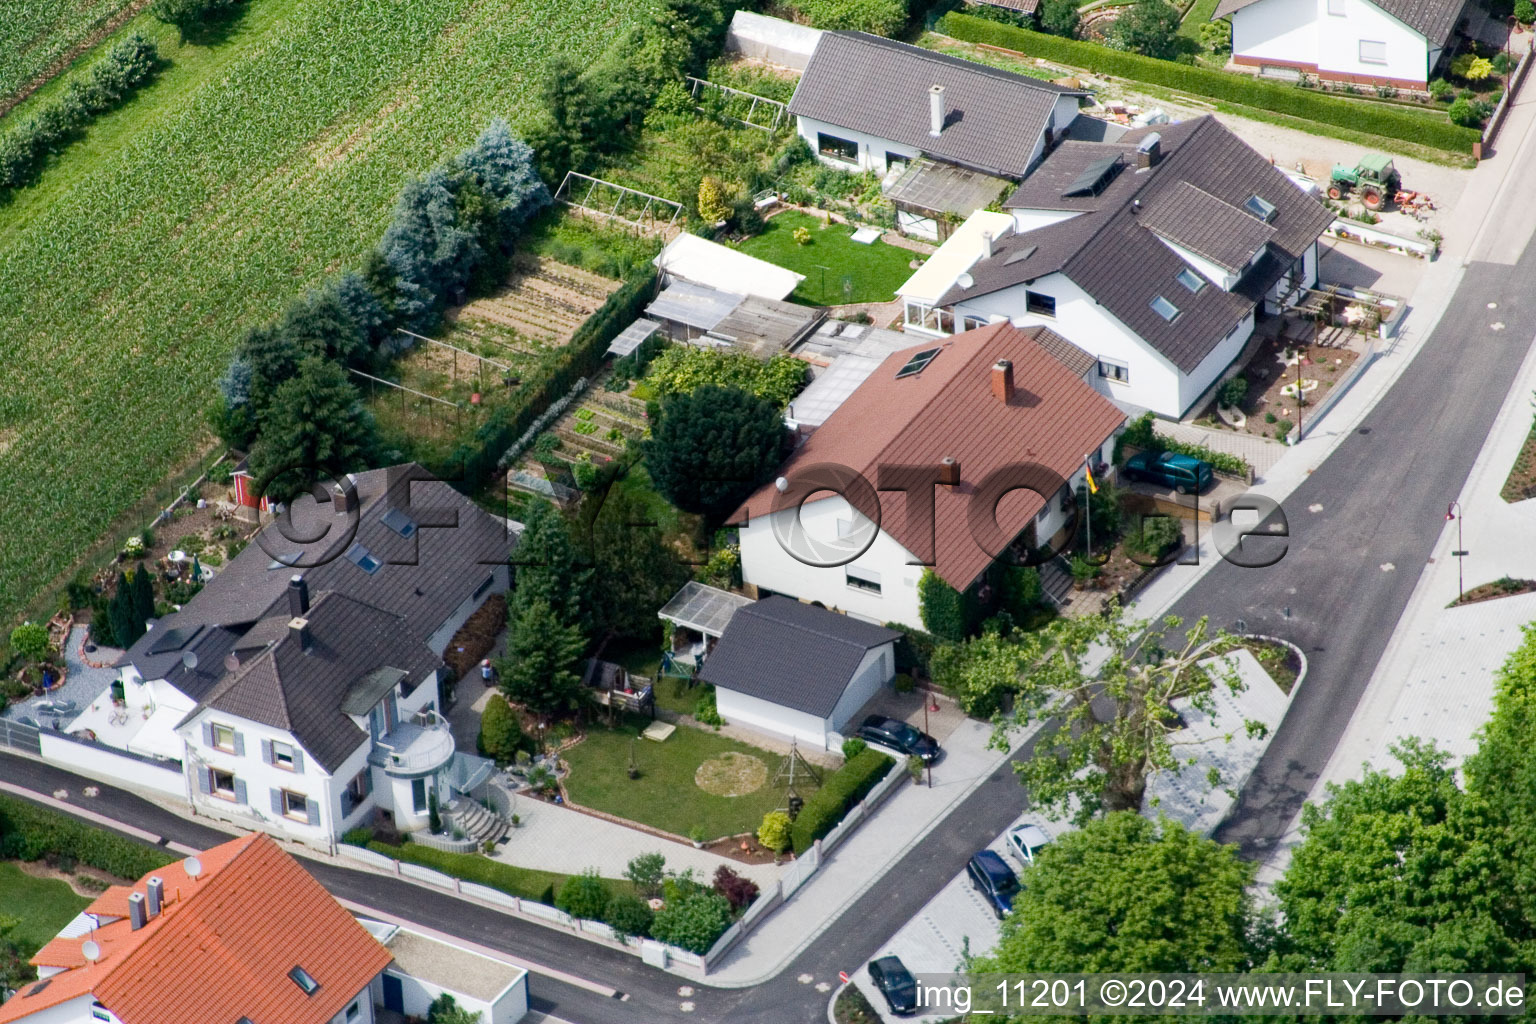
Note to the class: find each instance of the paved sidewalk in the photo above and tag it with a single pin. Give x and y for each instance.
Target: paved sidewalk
(903, 820)
(557, 838)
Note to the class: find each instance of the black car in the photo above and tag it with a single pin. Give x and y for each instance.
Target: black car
(888, 732)
(895, 982)
(995, 880)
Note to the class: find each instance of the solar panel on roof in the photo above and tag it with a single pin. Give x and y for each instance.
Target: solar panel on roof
(917, 364)
(174, 639)
(1093, 178)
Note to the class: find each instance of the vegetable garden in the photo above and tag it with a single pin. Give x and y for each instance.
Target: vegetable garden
(205, 204)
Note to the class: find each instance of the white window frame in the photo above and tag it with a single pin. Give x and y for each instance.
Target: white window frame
(1115, 370)
(1373, 60)
(216, 730)
(862, 579)
(281, 751)
(1185, 276)
(1171, 316)
(289, 812)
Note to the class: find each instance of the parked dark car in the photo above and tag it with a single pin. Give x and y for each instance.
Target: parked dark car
(1183, 473)
(995, 881)
(888, 732)
(895, 982)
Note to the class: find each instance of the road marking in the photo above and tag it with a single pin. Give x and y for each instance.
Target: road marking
(822, 986)
(806, 979)
(1493, 305)
(495, 954)
(1387, 567)
(686, 1006)
(1314, 507)
(685, 991)
(1497, 326)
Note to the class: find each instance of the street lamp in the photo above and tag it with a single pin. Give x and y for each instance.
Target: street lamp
(1453, 511)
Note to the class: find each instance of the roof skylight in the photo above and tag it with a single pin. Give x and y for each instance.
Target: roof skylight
(917, 364)
(1191, 280)
(363, 559)
(399, 522)
(1260, 208)
(302, 978)
(1165, 309)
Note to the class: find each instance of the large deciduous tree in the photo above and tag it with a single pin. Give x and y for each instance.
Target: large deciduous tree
(1148, 27)
(713, 447)
(1128, 894)
(1060, 17)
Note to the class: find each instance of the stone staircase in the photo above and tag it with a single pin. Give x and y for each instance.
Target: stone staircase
(476, 822)
(1056, 581)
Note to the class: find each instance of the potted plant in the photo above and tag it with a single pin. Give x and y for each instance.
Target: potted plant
(696, 836)
(1083, 571)
(517, 821)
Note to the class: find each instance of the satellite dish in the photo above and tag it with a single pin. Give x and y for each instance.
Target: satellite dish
(91, 950)
(965, 280)
(192, 866)
(781, 484)
(189, 660)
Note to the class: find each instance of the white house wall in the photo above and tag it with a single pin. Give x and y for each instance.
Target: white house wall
(1218, 359)
(500, 579)
(104, 764)
(1154, 382)
(739, 708)
(765, 563)
(71, 1011)
(1302, 33)
(1220, 276)
(872, 150)
(877, 667)
(1030, 220)
(1282, 30)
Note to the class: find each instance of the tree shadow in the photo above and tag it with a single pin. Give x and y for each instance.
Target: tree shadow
(217, 27)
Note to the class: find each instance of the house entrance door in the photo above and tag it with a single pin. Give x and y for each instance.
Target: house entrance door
(394, 994)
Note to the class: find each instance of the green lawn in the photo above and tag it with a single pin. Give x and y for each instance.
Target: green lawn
(1198, 15)
(248, 171)
(42, 905)
(666, 796)
(872, 273)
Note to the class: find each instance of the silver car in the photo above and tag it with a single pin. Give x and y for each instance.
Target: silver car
(1024, 841)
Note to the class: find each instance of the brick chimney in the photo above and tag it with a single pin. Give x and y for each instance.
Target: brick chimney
(949, 471)
(298, 596)
(1002, 380)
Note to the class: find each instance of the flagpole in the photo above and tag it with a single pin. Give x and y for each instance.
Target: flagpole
(1088, 502)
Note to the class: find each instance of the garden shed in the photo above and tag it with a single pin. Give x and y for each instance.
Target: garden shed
(798, 670)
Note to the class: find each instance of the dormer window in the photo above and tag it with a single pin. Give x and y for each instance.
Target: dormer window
(1165, 309)
(1260, 208)
(1191, 280)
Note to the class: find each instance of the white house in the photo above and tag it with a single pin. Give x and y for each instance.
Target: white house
(300, 691)
(1396, 43)
(242, 933)
(1153, 254)
(950, 132)
(950, 455)
(796, 670)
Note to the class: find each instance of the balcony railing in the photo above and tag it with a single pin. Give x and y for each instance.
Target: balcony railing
(422, 743)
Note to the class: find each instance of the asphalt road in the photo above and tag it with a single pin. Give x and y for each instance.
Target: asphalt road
(1362, 527)
(645, 994)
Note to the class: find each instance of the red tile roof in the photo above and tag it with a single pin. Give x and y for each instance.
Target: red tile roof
(949, 410)
(222, 947)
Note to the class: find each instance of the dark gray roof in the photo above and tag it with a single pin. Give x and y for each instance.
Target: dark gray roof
(880, 87)
(310, 692)
(1109, 252)
(1207, 226)
(1433, 19)
(792, 654)
(424, 579)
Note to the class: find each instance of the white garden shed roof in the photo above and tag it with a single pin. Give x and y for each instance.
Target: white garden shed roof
(725, 269)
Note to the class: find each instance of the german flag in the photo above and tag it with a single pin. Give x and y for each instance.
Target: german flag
(1093, 488)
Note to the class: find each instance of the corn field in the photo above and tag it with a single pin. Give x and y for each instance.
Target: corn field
(121, 299)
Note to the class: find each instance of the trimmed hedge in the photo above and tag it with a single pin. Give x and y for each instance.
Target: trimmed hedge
(844, 788)
(29, 832)
(1139, 434)
(557, 371)
(1221, 85)
(526, 883)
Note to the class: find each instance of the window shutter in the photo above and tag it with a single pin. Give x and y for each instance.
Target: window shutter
(207, 734)
(239, 745)
(367, 781)
(277, 802)
(266, 751)
(204, 785)
(298, 760)
(313, 809)
(240, 792)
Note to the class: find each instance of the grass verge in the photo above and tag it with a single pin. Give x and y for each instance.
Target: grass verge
(1521, 482)
(837, 269)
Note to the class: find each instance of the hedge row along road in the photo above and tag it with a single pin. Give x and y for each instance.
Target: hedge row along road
(248, 171)
(1421, 129)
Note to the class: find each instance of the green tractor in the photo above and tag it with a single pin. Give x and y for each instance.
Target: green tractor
(1374, 178)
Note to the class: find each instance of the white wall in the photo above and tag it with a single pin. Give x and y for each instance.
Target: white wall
(772, 39)
(1277, 29)
(872, 150)
(1063, 114)
(509, 1008)
(364, 1002)
(501, 577)
(104, 764)
(765, 563)
(1218, 359)
(874, 671)
(1218, 275)
(1029, 220)
(1303, 32)
(1154, 381)
(72, 1011)
(739, 708)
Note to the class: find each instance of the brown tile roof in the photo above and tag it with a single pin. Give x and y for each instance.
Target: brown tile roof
(949, 410)
(1110, 252)
(1196, 220)
(880, 87)
(223, 942)
(1433, 19)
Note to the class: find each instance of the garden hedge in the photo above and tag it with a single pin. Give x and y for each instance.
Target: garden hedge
(843, 788)
(1139, 434)
(1221, 85)
(525, 883)
(29, 832)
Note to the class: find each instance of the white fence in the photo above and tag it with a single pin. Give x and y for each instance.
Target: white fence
(104, 762)
(1365, 234)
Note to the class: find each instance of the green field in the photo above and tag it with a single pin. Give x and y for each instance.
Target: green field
(41, 905)
(247, 172)
(36, 33)
(837, 269)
